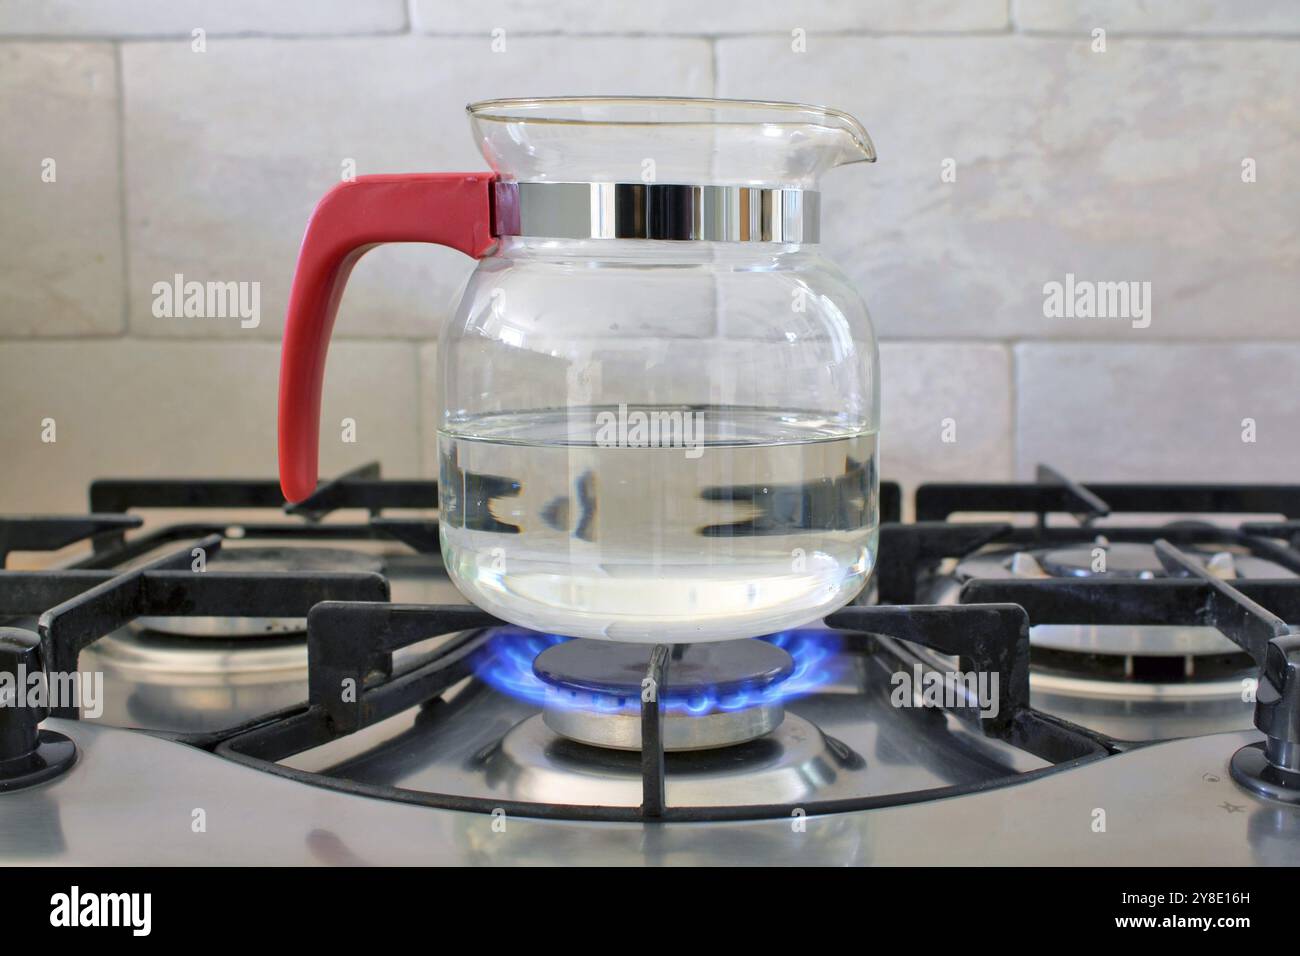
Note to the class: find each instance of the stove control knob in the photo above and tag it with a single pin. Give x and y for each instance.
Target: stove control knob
(28, 755)
(20, 659)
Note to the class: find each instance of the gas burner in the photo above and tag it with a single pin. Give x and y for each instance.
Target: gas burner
(796, 761)
(718, 694)
(259, 559)
(1113, 561)
(194, 685)
(1122, 561)
(1097, 558)
(715, 694)
(1147, 659)
(1133, 679)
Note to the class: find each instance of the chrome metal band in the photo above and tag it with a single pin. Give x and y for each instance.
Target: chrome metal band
(656, 211)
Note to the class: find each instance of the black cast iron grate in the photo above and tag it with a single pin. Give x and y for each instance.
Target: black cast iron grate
(353, 633)
(353, 685)
(910, 553)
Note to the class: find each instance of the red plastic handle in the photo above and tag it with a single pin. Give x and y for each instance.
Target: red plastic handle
(448, 209)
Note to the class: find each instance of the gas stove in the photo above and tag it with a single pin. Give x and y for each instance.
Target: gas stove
(1109, 681)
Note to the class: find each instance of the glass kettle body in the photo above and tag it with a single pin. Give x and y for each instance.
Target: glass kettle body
(659, 401)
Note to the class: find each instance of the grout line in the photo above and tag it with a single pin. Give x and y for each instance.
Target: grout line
(1149, 342)
(235, 338)
(1084, 34)
(409, 30)
(120, 121)
(480, 34)
(423, 340)
(713, 67)
(66, 338)
(185, 36)
(1014, 365)
(89, 338)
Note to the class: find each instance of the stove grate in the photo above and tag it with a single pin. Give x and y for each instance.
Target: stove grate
(353, 685)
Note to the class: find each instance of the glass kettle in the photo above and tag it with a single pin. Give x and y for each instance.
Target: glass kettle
(659, 400)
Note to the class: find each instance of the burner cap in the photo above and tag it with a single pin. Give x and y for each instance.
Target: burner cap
(594, 692)
(616, 669)
(1122, 561)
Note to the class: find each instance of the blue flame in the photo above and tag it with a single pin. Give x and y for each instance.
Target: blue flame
(506, 663)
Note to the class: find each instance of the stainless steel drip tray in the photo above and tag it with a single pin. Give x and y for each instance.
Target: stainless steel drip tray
(846, 742)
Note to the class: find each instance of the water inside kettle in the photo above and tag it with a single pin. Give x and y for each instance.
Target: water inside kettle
(658, 524)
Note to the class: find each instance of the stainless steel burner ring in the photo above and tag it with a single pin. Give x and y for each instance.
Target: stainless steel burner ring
(594, 690)
(682, 731)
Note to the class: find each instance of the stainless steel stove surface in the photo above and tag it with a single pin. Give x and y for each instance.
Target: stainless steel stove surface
(1171, 804)
(322, 688)
(846, 741)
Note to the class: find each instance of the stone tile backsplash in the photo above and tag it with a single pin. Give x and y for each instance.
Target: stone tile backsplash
(78, 411)
(687, 17)
(148, 18)
(1123, 166)
(60, 191)
(1078, 247)
(1159, 412)
(1238, 18)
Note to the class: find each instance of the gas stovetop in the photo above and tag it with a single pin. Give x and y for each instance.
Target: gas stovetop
(1111, 683)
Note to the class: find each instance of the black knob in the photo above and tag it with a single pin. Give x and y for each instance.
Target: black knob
(28, 755)
(1271, 768)
(20, 660)
(1277, 701)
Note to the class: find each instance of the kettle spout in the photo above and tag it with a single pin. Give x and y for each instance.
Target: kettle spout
(856, 145)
